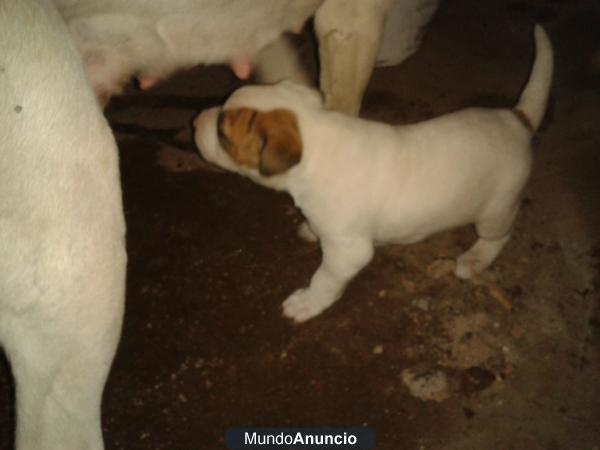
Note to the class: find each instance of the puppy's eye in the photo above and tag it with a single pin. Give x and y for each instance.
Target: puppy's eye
(251, 121)
(263, 144)
(223, 139)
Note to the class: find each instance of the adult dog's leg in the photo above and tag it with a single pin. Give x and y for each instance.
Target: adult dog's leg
(350, 33)
(62, 250)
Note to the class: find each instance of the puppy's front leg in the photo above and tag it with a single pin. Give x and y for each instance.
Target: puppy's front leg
(343, 258)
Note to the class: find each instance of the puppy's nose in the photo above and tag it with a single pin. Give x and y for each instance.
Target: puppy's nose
(203, 117)
(196, 121)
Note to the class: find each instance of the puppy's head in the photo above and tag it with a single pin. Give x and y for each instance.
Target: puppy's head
(250, 141)
(285, 94)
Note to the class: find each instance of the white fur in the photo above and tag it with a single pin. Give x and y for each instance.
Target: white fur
(62, 263)
(360, 182)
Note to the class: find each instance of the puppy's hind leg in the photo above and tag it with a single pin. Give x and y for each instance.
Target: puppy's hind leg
(342, 260)
(494, 233)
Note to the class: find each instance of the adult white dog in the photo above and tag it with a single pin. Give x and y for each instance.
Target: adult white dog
(360, 182)
(62, 250)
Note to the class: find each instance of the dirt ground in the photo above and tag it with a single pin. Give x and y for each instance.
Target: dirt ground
(428, 361)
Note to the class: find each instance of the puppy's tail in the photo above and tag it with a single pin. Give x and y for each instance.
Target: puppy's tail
(532, 103)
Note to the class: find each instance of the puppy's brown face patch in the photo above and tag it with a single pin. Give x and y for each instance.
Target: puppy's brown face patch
(268, 141)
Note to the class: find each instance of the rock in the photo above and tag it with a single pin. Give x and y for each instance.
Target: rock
(409, 286)
(427, 386)
(422, 303)
(441, 268)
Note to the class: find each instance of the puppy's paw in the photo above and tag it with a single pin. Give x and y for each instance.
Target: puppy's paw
(479, 257)
(301, 306)
(305, 233)
(468, 265)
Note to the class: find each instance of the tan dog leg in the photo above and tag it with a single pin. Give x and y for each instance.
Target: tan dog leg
(350, 33)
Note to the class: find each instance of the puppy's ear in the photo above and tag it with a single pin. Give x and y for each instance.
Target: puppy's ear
(282, 144)
(239, 136)
(268, 141)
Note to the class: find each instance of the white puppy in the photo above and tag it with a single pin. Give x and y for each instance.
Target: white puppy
(361, 183)
(62, 248)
